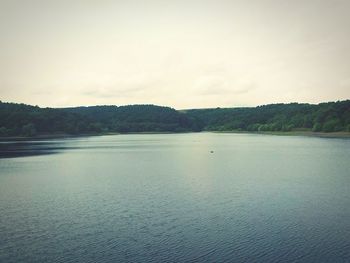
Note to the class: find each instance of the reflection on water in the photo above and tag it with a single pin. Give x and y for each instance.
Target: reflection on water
(22, 147)
(10, 149)
(198, 197)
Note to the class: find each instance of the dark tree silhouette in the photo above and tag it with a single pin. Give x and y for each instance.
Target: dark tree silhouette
(26, 120)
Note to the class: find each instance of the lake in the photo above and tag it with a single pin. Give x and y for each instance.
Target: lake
(197, 197)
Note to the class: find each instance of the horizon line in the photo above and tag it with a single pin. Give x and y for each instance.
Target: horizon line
(220, 107)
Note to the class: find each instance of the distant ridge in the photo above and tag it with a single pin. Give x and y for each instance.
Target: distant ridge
(26, 120)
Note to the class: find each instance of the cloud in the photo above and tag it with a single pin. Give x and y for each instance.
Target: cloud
(122, 86)
(219, 85)
(210, 85)
(245, 86)
(182, 54)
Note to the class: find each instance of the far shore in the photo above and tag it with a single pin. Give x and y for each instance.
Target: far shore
(66, 135)
(278, 133)
(295, 133)
(49, 136)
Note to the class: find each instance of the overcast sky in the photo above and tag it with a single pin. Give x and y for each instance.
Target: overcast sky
(183, 54)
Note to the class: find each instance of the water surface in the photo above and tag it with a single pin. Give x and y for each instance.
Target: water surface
(168, 198)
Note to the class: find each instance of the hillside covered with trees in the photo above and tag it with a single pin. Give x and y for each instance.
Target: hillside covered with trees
(26, 120)
(324, 117)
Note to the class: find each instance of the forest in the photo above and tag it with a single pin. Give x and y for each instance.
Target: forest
(323, 117)
(28, 121)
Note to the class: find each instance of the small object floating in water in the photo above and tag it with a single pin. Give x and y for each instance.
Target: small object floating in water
(211, 151)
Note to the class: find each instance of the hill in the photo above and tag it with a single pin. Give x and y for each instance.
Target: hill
(26, 120)
(324, 117)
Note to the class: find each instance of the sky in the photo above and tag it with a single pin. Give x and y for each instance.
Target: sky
(182, 54)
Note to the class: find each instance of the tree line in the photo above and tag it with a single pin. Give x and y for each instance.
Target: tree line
(26, 120)
(323, 117)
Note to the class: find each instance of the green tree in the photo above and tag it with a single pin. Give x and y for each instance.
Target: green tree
(317, 127)
(28, 129)
(348, 128)
(331, 125)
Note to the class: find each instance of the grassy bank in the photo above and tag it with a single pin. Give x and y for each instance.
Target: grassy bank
(296, 133)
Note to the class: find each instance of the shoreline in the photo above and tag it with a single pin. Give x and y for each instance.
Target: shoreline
(275, 133)
(294, 133)
(63, 136)
(48, 136)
